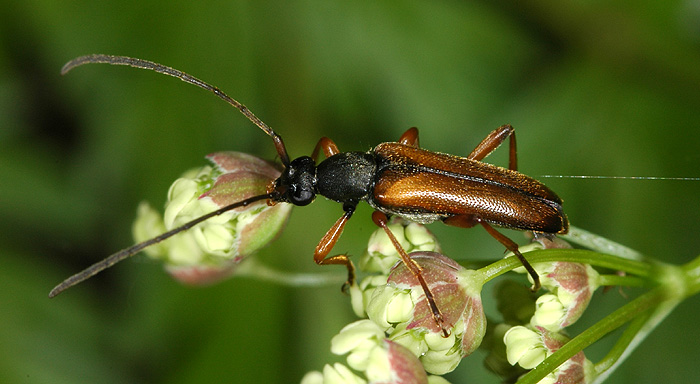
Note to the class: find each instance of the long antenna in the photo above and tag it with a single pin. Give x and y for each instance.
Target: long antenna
(145, 64)
(136, 248)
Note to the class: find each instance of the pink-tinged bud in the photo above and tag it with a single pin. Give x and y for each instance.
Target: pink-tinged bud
(529, 347)
(572, 283)
(201, 275)
(402, 308)
(209, 251)
(572, 286)
(576, 370)
(393, 363)
(553, 243)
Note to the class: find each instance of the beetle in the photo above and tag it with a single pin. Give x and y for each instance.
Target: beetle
(395, 178)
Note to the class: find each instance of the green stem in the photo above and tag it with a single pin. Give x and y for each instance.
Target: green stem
(633, 338)
(691, 271)
(638, 268)
(621, 345)
(251, 267)
(598, 243)
(622, 281)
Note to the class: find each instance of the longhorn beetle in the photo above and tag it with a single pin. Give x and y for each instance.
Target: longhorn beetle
(395, 178)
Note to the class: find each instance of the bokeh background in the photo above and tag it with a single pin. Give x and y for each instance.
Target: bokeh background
(592, 87)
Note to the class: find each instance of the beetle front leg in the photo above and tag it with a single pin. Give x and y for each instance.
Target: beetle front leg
(328, 146)
(468, 221)
(380, 220)
(493, 141)
(327, 243)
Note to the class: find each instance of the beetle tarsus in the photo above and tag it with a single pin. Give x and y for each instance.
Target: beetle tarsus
(351, 278)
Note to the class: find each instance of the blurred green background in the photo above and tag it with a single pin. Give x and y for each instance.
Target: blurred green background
(593, 88)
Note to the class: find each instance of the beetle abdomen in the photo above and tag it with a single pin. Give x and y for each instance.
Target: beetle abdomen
(425, 186)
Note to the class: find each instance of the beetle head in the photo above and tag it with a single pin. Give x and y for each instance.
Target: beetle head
(297, 184)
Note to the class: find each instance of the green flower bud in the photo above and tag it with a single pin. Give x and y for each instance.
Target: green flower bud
(361, 294)
(524, 347)
(210, 250)
(333, 374)
(412, 340)
(358, 339)
(432, 379)
(496, 361)
(382, 360)
(529, 347)
(390, 306)
(381, 254)
(549, 313)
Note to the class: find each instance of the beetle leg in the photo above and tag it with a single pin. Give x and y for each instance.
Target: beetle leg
(410, 137)
(328, 241)
(380, 219)
(468, 221)
(492, 141)
(328, 146)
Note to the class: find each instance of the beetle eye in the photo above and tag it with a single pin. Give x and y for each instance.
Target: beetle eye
(301, 196)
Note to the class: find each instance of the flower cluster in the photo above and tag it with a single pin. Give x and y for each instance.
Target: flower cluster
(369, 350)
(210, 251)
(528, 342)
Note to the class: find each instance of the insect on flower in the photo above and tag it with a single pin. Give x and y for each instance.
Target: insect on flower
(394, 178)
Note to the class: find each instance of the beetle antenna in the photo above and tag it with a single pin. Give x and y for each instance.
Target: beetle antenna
(136, 248)
(145, 64)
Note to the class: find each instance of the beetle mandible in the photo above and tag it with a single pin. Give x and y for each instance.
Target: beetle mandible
(394, 178)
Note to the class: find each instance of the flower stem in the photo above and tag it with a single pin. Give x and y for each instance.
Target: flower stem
(622, 281)
(639, 268)
(253, 268)
(598, 243)
(621, 345)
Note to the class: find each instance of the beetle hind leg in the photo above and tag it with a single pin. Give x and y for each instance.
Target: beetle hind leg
(470, 220)
(380, 220)
(410, 137)
(493, 141)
